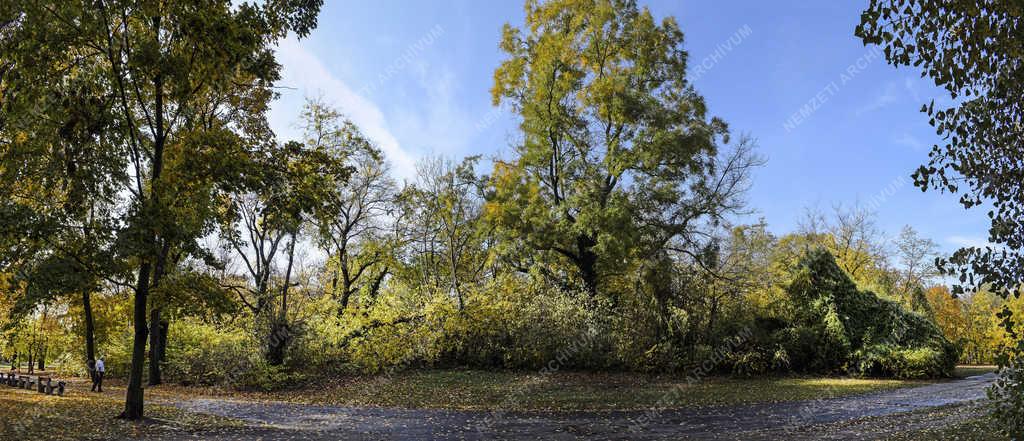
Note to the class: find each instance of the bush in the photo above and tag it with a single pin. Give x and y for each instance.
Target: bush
(264, 377)
(751, 363)
(896, 362)
(117, 355)
(519, 324)
(206, 355)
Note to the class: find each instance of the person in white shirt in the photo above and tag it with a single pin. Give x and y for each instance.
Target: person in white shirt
(97, 384)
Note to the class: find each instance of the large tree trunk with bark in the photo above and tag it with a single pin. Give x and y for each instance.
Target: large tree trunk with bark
(586, 261)
(277, 343)
(134, 397)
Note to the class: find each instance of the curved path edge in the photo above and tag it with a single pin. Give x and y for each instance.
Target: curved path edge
(339, 422)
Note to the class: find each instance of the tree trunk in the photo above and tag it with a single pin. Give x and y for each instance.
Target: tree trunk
(345, 296)
(41, 355)
(280, 334)
(277, 343)
(154, 347)
(712, 317)
(90, 327)
(587, 263)
(133, 396)
(165, 326)
(375, 286)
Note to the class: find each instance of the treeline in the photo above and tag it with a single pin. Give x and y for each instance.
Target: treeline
(739, 306)
(149, 206)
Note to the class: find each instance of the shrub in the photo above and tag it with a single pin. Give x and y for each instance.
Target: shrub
(520, 324)
(117, 354)
(905, 363)
(751, 363)
(264, 377)
(206, 355)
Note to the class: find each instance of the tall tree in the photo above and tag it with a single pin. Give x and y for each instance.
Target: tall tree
(916, 256)
(618, 156)
(186, 80)
(447, 201)
(289, 186)
(353, 220)
(973, 51)
(851, 235)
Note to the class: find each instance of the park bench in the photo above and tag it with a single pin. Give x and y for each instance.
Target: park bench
(49, 387)
(43, 385)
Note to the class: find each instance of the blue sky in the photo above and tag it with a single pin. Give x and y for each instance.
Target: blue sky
(416, 77)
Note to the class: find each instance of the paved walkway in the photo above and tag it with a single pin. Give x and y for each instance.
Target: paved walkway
(280, 421)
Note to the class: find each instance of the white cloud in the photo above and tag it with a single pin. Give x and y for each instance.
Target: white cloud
(910, 141)
(967, 241)
(304, 72)
(888, 96)
(439, 124)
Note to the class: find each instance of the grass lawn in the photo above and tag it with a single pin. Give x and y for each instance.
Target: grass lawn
(964, 371)
(475, 389)
(29, 415)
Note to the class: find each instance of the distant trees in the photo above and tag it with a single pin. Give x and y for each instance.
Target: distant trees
(447, 229)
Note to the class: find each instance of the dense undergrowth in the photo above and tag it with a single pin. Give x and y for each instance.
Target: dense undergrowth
(828, 326)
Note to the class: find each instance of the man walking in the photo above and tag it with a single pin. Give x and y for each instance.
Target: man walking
(100, 369)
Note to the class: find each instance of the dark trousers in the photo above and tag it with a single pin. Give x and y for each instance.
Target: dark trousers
(97, 381)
